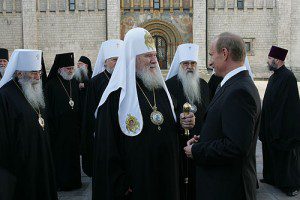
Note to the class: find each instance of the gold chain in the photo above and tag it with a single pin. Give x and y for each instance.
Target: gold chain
(154, 106)
(70, 96)
(106, 75)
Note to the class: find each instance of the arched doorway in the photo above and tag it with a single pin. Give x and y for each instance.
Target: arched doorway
(167, 38)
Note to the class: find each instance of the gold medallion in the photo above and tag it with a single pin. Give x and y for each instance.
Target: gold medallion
(41, 121)
(149, 41)
(132, 124)
(71, 102)
(157, 118)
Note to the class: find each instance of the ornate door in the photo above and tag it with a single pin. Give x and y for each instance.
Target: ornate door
(161, 48)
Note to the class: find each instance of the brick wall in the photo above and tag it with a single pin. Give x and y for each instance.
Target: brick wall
(295, 38)
(81, 33)
(11, 31)
(256, 24)
(199, 30)
(54, 29)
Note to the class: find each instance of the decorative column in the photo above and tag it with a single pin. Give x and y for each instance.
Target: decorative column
(122, 6)
(113, 22)
(180, 6)
(29, 24)
(171, 6)
(151, 6)
(161, 6)
(284, 23)
(142, 6)
(199, 30)
(131, 6)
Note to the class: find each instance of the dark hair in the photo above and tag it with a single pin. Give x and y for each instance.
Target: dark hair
(234, 44)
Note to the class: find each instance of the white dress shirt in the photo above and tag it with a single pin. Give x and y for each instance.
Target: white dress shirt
(232, 73)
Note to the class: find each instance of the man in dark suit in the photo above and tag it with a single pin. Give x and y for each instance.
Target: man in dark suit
(225, 153)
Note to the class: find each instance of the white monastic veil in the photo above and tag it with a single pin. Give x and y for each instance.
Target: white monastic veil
(109, 49)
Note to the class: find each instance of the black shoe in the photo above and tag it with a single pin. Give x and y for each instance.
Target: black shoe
(292, 193)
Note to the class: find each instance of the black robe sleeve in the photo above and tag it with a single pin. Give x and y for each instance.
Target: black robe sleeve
(110, 167)
(239, 107)
(7, 177)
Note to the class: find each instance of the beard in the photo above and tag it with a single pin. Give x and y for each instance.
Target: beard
(33, 91)
(151, 80)
(81, 74)
(191, 85)
(110, 70)
(272, 66)
(65, 75)
(2, 70)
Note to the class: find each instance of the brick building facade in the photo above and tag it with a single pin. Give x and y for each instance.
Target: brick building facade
(57, 26)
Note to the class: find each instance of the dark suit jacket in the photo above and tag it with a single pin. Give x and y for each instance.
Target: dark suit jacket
(225, 153)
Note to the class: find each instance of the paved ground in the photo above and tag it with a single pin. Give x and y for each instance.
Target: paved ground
(265, 191)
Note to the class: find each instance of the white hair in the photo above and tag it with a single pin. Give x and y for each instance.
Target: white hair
(151, 80)
(2, 70)
(65, 75)
(81, 74)
(191, 84)
(110, 70)
(33, 91)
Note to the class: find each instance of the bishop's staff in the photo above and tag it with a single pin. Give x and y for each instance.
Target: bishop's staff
(186, 110)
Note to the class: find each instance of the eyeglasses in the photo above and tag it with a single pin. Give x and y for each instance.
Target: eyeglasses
(113, 59)
(187, 63)
(35, 73)
(69, 68)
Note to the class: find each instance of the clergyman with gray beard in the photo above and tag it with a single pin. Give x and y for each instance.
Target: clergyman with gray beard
(26, 165)
(64, 121)
(185, 85)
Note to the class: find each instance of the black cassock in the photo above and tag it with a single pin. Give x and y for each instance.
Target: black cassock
(280, 130)
(213, 83)
(64, 127)
(147, 163)
(82, 95)
(188, 169)
(26, 167)
(94, 92)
